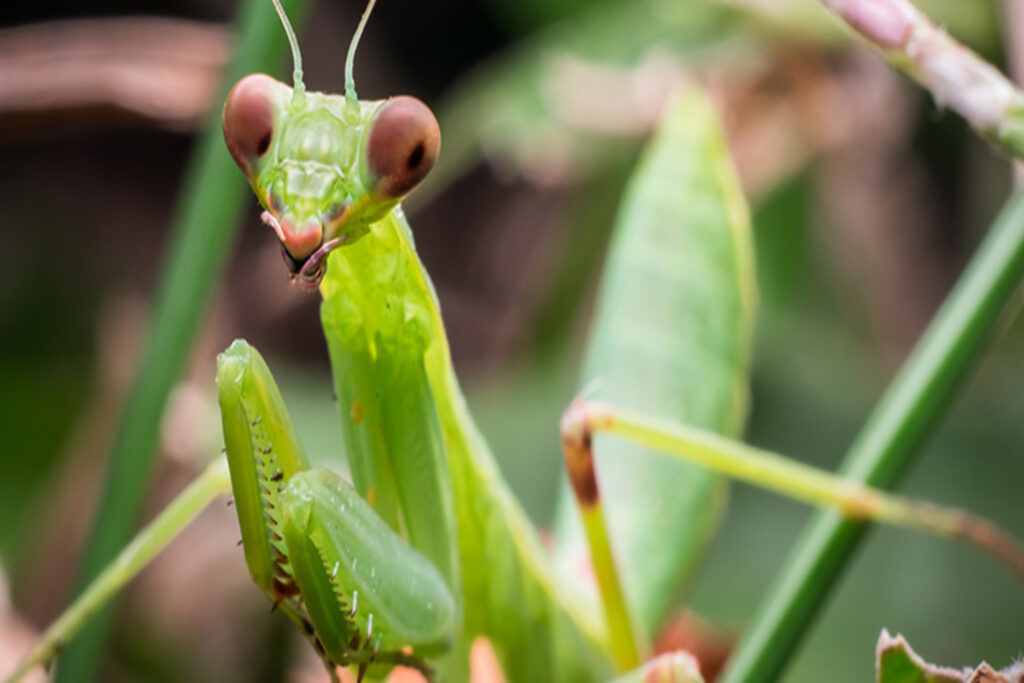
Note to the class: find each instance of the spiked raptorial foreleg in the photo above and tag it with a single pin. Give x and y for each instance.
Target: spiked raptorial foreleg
(369, 594)
(319, 550)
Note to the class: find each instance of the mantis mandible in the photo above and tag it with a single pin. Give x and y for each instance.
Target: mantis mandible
(427, 548)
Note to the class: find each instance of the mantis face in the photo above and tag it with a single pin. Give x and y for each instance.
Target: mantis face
(325, 167)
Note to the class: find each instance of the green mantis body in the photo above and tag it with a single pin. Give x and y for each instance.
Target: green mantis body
(396, 386)
(503, 567)
(329, 171)
(508, 591)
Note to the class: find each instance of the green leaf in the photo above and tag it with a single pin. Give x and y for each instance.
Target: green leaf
(671, 338)
(898, 663)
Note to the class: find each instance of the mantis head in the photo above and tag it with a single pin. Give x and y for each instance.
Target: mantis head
(325, 167)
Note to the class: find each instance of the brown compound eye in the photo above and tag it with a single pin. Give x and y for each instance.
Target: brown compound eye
(249, 119)
(403, 145)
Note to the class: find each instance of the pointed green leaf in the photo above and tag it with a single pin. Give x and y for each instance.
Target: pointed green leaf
(672, 339)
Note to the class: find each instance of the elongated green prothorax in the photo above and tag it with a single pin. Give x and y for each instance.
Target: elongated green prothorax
(325, 167)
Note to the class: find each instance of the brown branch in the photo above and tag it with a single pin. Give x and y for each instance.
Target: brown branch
(159, 71)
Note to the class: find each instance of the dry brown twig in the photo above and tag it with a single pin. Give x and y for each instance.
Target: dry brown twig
(158, 70)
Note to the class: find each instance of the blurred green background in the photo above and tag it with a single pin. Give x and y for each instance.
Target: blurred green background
(867, 200)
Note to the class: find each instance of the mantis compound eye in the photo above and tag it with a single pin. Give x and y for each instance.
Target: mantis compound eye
(249, 119)
(403, 145)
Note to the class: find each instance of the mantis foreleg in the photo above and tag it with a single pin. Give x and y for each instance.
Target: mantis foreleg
(367, 592)
(316, 547)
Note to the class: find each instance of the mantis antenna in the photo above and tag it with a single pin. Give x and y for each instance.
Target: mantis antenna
(350, 81)
(298, 87)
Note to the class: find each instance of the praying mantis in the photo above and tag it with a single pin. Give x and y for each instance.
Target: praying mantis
(427, 548)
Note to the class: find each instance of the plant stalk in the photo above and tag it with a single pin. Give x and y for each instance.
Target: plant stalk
(214, 481)
(203, 234)
(955, 76)
(907, 414)
(577, 446)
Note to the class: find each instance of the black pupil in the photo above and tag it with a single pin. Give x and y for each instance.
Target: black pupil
(415, 157)
(264, 144)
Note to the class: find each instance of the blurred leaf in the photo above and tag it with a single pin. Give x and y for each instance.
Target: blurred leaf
(898, 663)
(672, 338)
(782, 243)
(580, 250)
(40, 404)
(520, 109)
(973, 23)
(576, 95)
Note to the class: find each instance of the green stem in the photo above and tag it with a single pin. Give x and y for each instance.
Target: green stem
(203, 234)
(617, 616)
(136, 555)
(908, 413)
(793, 479)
